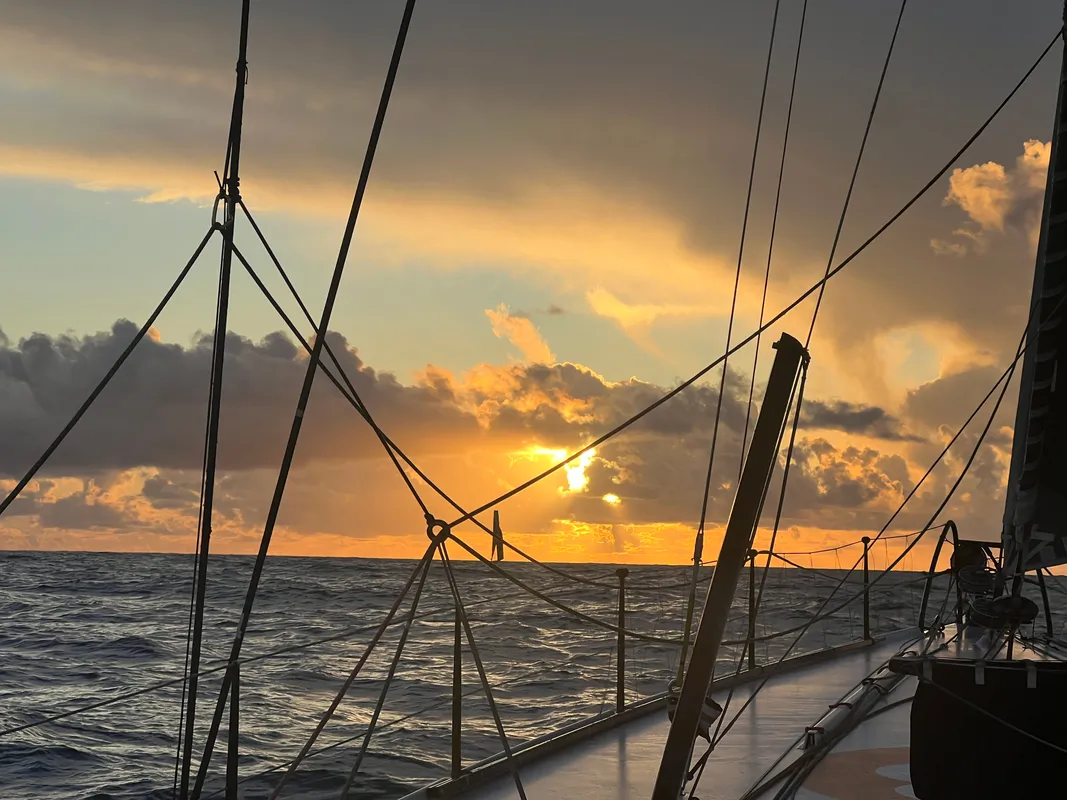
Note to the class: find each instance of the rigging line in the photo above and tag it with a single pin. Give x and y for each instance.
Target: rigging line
(231, 188)
(555, 603)
(844, 546)
(351, 395)
(32, 471)
(737, 283)
(186, 668)
(305, 391)
(454, 587)
(353, 398)
(356, 400)
(687, 627)
(224, 665)
(631, 633)
(777, 317)
(1005, 379)
(538, 670)
(856, 169)
(774, 225)
(754, 611)
(388, 681)
(817, 572)
(423, 566)
(698, 543)
(392, 448)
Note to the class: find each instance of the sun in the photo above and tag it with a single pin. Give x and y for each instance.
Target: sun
(611, 499)
(577, 480)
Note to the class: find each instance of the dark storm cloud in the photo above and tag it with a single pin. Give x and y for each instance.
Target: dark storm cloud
(858, 419)
(653, 102)
(153, 412)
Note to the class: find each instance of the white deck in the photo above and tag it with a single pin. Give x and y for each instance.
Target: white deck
(621, 763)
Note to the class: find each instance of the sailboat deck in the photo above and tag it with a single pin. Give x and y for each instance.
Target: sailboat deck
(621, 763)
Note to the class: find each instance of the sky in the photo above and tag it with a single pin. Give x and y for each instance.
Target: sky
(548, 243)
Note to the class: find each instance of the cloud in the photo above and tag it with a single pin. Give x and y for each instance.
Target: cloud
(521, 332)
(637, 319)
(501, 156)
(998, 199)
(855, 419)
(132, 465)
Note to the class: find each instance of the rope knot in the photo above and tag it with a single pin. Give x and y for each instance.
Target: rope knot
(437, 530)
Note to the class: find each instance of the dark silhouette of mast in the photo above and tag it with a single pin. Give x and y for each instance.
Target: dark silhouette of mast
(229, 193)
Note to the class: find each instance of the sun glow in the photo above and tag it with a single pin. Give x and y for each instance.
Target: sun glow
(577, 480)
(611, 499)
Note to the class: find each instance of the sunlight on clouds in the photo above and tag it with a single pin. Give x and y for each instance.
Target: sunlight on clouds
(611, 499)
(637, 319)
(521, 332)
(579, 235)
(577, 480)
(995, 197)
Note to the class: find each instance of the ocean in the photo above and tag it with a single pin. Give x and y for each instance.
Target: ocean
(82, 627)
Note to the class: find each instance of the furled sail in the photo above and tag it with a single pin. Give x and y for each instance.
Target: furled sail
(1035, 520)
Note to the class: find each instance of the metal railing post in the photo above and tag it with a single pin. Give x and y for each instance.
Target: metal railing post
(232, 736)
(620, 681)
(866, 588)
(751, 645)
(457, 699)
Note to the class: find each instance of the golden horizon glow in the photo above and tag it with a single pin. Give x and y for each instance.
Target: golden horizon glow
(611, 499)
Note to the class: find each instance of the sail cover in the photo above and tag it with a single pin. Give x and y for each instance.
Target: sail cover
(1035, 521)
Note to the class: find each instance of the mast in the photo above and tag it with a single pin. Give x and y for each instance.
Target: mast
(229, 192)
(735, 546)
(1035, 516)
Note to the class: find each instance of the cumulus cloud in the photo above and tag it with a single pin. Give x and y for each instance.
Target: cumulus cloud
(133, 462)
(997, 200)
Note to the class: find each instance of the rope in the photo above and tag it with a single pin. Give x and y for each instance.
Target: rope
(387, 684)
(305, 391)
(187, 669)
(32, 471)
(698, 543)
(348, 391)
(352, 395)
(478, 661)
(774, 223)
(824, 575)
(844, 546)
(856, 170)
(777, 317)
(539, 669)
(737, 283)
(422, 566)
(1005, 379)
(555, 603)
